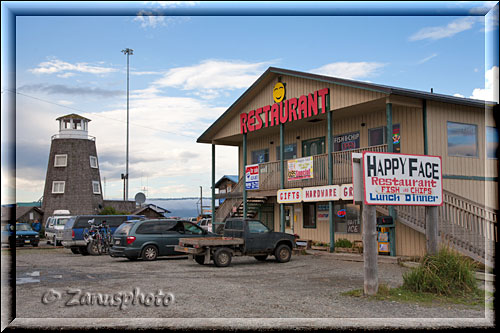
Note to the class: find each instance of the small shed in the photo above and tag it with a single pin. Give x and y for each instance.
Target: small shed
(225, 185)
(28, 214)
(151, 211)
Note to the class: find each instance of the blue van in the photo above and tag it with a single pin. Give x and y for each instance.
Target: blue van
(74, 227)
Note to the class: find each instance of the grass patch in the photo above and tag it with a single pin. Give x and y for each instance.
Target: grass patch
(444, 278)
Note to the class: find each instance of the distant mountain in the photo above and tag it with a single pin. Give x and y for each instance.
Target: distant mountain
(181, 207)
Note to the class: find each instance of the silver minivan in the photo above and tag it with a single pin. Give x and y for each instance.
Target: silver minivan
(54, 228)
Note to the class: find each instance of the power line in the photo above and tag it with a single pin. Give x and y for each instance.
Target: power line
(95, 114)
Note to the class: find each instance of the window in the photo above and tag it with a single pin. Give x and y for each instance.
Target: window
(491, 142)
(96, 188)
(309, 215)
(256, 227)
(77, 124)
(378, 136)
(346, 218)
(289, 152)
(58, 187)
(191, 229)
(313, 147)
(93, 162)
(462, 139)
(61, 160)
(346, 141)
(148, 228)
(260, 156)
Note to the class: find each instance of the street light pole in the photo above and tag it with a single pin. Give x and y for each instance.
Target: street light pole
(128, 52)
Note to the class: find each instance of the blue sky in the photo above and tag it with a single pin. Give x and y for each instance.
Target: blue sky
(187, 70)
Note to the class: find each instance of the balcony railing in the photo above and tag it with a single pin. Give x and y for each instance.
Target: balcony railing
(270, 173)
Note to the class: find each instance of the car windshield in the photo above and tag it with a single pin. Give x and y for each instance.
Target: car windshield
(61, 221)
(23, 227)
(256, 227)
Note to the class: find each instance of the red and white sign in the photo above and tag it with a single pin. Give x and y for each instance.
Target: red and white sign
(347, 192)
(321, 193)
(252, 177)
(290, 195)
(400, 179)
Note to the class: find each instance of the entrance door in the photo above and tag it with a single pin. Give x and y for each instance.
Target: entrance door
(289, 219)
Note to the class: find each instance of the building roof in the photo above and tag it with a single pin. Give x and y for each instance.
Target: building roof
(73, 116)
(153, 207)
(233, 178)
(23, 210)
(273, 72)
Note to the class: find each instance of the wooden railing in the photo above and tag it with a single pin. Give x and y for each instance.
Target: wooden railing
(233, 199)
(270, 173)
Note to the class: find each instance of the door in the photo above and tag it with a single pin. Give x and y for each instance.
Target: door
(266, 216)
(259, 238)
(289, 228)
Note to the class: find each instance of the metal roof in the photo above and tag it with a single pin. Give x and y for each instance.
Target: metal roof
(348, 83)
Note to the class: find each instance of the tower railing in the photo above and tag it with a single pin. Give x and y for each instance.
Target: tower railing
(72, 136)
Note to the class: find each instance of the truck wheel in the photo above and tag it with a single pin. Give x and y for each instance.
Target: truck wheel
(150, 253)
(222, 257)
(199, 259)
(261, 258)
(283, 253)
(93, 248)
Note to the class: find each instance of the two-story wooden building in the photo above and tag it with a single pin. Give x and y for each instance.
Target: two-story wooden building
(299, 130)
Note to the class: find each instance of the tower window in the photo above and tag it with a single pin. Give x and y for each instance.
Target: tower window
(96, 189)
(77, 124)
(58, 186)
(93, 162)
(61, 160)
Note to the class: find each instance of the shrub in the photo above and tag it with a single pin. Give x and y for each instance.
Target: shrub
(342, 242)
(108, 210)
(446, 273)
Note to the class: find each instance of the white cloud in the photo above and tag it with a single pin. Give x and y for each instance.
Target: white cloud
(490, 91)
(350, 70)
(155, 19)
(459, 95)
(54, 66)
(212, 77)
(449, 30)
(427, 58)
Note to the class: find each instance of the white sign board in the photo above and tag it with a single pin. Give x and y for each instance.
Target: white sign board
(290, 195)
(321, 193)
(400, 179)
(357, 177)
(252, 177)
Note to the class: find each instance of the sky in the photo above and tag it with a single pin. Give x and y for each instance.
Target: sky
(188, 68)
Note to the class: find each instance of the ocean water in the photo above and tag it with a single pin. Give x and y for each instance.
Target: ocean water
(181, 207)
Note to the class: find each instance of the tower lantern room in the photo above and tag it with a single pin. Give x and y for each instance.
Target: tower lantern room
(73, 126)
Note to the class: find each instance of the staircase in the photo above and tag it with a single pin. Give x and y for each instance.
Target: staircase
(253, 206)
(464, 225)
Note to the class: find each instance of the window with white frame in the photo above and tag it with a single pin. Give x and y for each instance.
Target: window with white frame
(93, 162)
(96, 188)
(61, 160)
(58, 186)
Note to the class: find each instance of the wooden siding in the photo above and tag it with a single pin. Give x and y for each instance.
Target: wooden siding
(340, 97)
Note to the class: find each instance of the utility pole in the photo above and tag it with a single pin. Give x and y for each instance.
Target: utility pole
(201, 201)
(128, 52)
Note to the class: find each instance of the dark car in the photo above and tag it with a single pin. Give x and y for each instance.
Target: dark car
(25, 235)
(149, 239)
(74, 227)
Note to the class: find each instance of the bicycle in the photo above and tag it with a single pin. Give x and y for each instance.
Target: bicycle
(98, 238)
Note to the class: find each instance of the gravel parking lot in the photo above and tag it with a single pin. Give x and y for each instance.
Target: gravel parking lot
(54, 283)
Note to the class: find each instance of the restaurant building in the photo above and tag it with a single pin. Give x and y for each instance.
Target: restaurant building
(297, 130)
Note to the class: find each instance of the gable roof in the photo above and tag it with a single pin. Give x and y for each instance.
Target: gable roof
(74, 116)
(273, 72)
(23, 210)
(233, 178)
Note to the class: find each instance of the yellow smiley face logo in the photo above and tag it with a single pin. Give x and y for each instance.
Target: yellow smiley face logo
(278, 92)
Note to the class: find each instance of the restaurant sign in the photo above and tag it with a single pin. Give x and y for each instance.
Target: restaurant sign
(400, 179)
(301, 168)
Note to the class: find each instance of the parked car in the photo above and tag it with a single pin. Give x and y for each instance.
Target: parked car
(25, 235)
(74, 227)
(150, 239)
(205, 224)
(54, 228)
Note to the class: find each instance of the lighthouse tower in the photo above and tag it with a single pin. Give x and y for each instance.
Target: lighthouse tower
(73, 180)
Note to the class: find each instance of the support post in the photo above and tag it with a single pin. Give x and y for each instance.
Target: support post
(390, 149)
(424, 116)
(213, 188)
(282, 165)
(244, 175)
(370, 250)
(431, 229)
(330, 179)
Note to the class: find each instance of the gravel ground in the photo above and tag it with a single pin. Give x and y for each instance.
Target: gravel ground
(54, 283)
